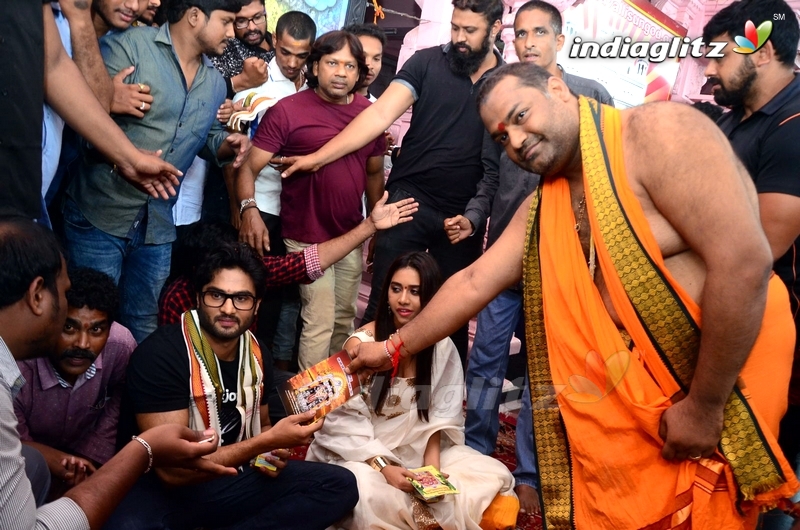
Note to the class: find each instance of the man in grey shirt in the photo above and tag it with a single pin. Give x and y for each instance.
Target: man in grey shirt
(33, 308)
(537, 39)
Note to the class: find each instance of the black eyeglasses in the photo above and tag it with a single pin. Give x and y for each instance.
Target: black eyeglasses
(241, 301)
(242, 23)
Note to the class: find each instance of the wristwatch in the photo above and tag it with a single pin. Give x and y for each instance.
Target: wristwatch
(245, 203)
(378, 463)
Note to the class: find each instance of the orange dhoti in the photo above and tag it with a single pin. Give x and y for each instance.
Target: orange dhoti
(598, 394)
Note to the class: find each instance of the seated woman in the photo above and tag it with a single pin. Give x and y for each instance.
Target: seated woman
(413, 420)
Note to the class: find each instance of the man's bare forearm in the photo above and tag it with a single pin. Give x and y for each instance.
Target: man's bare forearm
(226, 151)
(732, 316)
(337, 248)
(67, 92)
(87, 56)
(369, 124)
(233, 455)
(363, 129)
(244, 182)
(470, 289)
(457, 301)
(99, 496)
(375, 188)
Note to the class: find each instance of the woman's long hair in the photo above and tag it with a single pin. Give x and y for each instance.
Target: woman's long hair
(430, 279)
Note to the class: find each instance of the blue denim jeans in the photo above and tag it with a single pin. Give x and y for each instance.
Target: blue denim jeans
(283, 345)
(278, 314)
(527, 471)
(304, 496)
(139, 270)
(488, 362)
(790, 443)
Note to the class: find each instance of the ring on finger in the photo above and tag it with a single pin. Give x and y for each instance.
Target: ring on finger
(141, 87)
(695, 458)
(142, 106)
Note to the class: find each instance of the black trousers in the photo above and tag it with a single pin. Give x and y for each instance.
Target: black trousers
(305, 496)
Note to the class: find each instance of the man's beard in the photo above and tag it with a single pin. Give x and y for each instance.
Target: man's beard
(741, 85)
(207, 325)
(245, 40)
(146, 18)
(211, 49)
(467, 63)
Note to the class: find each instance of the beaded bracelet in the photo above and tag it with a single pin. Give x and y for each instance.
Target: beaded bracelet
(149, 451)
(393, 356)
(386, 349)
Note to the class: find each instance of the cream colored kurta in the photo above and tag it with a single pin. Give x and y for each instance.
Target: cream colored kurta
(354, 433)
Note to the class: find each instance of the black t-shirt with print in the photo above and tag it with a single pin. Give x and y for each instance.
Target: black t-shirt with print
(158, 379)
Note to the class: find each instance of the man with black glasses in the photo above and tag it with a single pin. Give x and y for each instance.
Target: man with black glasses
(244, 63)
(212, 351)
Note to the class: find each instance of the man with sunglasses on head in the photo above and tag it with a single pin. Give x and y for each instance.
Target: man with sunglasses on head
(208, 370)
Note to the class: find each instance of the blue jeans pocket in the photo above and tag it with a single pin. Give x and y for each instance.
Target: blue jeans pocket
(74, 217)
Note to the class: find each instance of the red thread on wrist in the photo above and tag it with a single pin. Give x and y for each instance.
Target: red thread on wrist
(394, 355)
(395, 362)
(397, 346)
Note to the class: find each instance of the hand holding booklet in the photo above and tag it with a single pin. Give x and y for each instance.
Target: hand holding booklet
(430, 484)
(323, 387)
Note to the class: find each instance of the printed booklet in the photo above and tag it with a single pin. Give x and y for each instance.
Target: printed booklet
(323, 387)
(430, 485)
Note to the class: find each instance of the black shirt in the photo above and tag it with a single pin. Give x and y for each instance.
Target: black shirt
(768, 144)
(440, 162)
(21, 112)
(158, 379)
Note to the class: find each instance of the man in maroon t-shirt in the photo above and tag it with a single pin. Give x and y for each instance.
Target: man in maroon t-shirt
(319, 206)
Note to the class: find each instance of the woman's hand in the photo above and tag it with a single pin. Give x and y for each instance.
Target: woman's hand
(398, 477)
